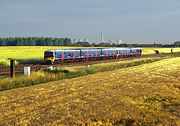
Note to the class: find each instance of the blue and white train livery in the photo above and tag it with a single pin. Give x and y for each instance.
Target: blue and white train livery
(62, 55)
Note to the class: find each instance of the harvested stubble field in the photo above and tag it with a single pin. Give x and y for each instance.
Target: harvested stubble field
(147, 94)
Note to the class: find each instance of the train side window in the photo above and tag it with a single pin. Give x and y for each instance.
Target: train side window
(69, 54)
(58, 54)
(103, 52)
(77, 53)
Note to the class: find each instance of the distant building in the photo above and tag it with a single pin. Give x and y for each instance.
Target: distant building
(86, 40)
(119, 42)
(80, 40)
(111, 42)
(102, 38)
(74, 41)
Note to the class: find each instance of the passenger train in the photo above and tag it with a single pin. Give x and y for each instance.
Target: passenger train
(61, 55)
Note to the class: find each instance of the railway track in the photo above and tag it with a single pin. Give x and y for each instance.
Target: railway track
(35, 67)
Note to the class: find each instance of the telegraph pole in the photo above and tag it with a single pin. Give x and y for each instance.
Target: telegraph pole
(12, 68)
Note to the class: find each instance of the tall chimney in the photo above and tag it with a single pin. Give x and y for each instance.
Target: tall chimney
(102, 38)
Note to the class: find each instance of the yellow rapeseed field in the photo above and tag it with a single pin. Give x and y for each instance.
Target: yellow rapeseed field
(142, 95)
(38, 51)
(161, 50)
(25, 52)
(29, 52)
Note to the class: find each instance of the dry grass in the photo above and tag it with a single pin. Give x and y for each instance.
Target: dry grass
(142, 95)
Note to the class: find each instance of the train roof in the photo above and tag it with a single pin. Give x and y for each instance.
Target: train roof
(120, 48)
(136, 48)
(49, 50)
(66, 50)
(116, 49)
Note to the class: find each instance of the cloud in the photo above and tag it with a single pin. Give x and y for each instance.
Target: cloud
(114, 17)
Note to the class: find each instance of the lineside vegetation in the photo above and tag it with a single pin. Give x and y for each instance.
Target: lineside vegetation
(69, 72)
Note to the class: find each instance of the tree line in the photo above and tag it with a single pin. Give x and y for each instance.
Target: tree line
(48, 41)
(35, 41)
(175, 44)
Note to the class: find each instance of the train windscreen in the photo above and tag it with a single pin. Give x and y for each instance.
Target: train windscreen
(48, 54)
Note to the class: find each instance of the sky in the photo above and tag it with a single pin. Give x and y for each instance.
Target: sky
(132, 21)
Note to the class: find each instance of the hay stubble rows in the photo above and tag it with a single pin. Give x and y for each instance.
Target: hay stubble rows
(140, 95)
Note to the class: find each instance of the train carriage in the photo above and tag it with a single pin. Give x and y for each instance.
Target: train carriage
(59, 55)
(90, 53)
(84, 54)
(136, 51)
(94, 53)
(71, 55)
(123, 52)
(109, 53)
(50, 56)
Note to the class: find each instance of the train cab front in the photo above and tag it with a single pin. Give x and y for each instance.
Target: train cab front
(49, 56)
